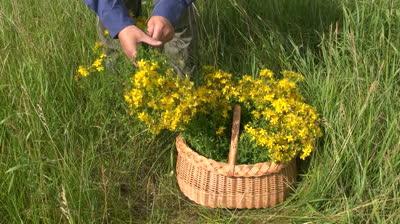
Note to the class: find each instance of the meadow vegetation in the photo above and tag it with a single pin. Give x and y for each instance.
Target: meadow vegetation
(70, 153)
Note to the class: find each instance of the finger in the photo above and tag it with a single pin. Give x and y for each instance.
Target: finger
(133, 56)
(168, 35)
(133, 53)
(150, 29)
(150, 41)
(158, 33)
(134, 63)
(130, 50)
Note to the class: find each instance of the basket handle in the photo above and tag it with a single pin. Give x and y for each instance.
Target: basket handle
(234, 140)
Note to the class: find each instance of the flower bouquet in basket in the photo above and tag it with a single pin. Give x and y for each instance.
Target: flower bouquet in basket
(252, 164)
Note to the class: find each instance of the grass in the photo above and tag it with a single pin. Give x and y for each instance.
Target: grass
(70, 153)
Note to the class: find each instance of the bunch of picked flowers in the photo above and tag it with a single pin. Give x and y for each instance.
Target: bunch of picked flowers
(278, 125)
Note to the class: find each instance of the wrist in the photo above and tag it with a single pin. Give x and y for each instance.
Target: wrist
(128, 30)
(162, 19)
(170, 10)
(122, 31)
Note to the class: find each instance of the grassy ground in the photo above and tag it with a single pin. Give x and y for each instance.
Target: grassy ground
(69, 152)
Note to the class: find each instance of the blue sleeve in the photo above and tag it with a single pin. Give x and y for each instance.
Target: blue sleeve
(171, 9)
(112, 13)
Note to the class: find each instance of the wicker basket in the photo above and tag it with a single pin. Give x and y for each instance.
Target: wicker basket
(226, 185)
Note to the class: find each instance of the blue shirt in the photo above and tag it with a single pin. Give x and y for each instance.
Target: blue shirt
(115, 17)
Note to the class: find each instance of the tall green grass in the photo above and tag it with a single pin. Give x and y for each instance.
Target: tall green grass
(70, 153)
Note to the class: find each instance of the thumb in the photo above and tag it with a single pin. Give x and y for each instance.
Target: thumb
(131, 51)
(150, 41)
(150, 28)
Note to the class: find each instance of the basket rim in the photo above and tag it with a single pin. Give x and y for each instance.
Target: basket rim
(242, 170)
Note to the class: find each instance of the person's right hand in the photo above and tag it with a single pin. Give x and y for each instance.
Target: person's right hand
(131, 36)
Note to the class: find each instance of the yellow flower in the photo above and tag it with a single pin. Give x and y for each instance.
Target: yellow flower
(303, 133)
(144, 117)
(266, 73)
(281, 105)
(306, 151)
(290, 138)
(100, 68)
(220, 131)
(102, 56)
(134, 97)
(98, 45)
(141, 64)
(97, 63)
(256, 114)
(269, 97)
(106, 33)
(82, 71)
(294, 76)
(286, 84)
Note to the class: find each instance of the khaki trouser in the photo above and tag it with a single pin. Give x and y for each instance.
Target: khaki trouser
(180, 50)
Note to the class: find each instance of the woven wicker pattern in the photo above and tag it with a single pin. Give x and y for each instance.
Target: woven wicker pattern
(254, 170)
(226, 185)
(206, 181)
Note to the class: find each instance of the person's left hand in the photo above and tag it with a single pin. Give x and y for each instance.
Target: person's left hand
(159, 28)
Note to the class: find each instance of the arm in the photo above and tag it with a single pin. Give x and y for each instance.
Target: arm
(171, 9)
(166, 15)
(112, 13)
(114, 16)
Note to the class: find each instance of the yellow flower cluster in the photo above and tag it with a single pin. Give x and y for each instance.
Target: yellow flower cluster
(96, 66)
(282, 122)
(160, 99)
(106, 33)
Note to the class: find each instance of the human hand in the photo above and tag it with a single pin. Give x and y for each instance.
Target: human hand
(131, 36)
(159, 28)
